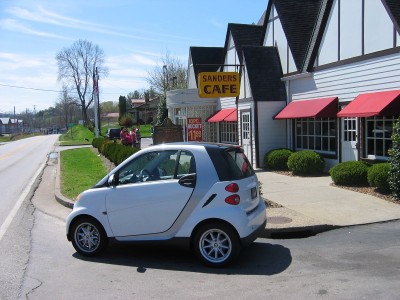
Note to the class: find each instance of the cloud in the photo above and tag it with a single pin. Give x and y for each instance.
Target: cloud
(41, 15)
(14, 25)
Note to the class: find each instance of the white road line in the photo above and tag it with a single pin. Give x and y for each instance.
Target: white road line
(25, 192)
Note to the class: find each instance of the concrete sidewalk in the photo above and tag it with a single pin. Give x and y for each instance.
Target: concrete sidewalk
(313, 204)
(309, 204)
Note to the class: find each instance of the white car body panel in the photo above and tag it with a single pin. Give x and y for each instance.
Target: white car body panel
(164, 209)
(153, 208)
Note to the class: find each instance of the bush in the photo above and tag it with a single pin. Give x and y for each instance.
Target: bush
(123, 152)
(97, 142)
(394, 153)
(350, 173)
(306, 162)
(378, 176)
(277, 159)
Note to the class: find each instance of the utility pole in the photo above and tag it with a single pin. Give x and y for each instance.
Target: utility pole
(96, 99)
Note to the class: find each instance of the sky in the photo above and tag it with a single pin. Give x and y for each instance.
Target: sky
(134, 35)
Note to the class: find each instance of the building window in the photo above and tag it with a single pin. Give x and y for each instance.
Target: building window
(316, 134)
(379, 136)
(228, 132)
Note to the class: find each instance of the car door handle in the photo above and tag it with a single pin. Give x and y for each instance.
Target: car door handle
(188, 181)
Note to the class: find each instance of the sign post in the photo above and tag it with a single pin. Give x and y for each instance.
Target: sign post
(194, 129)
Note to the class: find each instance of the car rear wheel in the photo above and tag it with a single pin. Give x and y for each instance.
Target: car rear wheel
(88, 237)
(216, 244)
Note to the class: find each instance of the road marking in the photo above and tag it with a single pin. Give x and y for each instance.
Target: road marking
(8, 154)
(25, 192)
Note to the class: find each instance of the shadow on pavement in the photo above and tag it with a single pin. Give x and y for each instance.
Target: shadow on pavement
(257, 259)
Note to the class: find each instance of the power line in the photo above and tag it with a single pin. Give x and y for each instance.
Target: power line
(29, 88)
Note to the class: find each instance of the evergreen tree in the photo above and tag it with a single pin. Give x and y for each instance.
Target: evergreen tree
(162, 111)
(121, 107)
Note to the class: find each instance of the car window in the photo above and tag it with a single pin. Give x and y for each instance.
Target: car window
(238, 163)
(157, 165)
(186, 164)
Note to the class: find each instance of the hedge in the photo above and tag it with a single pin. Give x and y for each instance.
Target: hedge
(350, 173)
(115, 152)
(378, 176)
(277, 159)
(306, 162)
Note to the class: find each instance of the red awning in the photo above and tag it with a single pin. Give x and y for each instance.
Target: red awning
(228, 114)
(315, 108)
(373, 104)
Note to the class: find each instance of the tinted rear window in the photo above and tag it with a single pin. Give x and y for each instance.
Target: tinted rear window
(231, 163)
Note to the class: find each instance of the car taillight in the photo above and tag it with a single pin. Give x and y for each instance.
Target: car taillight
(233, 199)
(232, 188)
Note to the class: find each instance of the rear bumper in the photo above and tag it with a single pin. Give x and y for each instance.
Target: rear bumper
(254, 235)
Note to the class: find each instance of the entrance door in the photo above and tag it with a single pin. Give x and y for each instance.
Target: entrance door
(349, 139)
(246, 135)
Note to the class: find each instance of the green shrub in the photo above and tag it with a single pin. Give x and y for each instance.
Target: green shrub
(96, 142)
(394, 153)
(123, 152)
(350, 173)
(378, 176)
(306, 162)
(277, 159)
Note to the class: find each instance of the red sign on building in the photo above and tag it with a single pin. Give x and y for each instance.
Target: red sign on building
(194, 129)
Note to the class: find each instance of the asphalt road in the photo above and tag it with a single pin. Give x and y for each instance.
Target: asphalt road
(350, 263)
(37, 262)
(21, 163)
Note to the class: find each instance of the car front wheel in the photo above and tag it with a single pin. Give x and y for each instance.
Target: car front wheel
(88, 237)
(216, 244)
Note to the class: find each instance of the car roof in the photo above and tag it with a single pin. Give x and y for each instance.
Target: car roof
(202, 144)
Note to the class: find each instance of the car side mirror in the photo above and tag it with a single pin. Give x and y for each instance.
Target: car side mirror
(113, 180)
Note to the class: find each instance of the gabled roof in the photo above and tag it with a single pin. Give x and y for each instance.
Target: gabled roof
(210, 56)
(393, 8)
(264, 73)
(5, 120)
(243, 35)
(299, 19)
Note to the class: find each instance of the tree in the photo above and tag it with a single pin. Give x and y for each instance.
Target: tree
(76, 66)
(134, 95)
(394, 152)
(169, 76)
(65, 105)
(122, 106)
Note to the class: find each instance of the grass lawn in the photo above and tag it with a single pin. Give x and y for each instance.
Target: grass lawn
(77, 135)
(80, 170)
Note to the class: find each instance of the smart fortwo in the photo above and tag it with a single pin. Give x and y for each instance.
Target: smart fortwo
(204, 195)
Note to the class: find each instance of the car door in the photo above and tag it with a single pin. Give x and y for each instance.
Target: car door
(153, 189)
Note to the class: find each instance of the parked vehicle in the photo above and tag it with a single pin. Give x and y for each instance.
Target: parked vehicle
(113, 133)
(204, 195)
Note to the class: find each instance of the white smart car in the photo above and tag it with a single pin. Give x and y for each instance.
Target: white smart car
(205, 195)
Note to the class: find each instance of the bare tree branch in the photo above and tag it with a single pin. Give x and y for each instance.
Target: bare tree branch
(76, 66)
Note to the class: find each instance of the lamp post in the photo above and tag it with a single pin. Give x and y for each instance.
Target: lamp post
(165, 81)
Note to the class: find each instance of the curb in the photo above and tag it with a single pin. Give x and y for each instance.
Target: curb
(297, 232)
(57, 194)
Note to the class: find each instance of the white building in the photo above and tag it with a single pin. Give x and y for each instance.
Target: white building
(315, 74)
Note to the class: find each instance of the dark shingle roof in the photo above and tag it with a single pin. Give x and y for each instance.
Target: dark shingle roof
(394, 11)
(244, 35)
(264, 73)
(298, 19)
(206, 59)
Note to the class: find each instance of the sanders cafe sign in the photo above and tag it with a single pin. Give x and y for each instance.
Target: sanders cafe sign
(213, 85)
